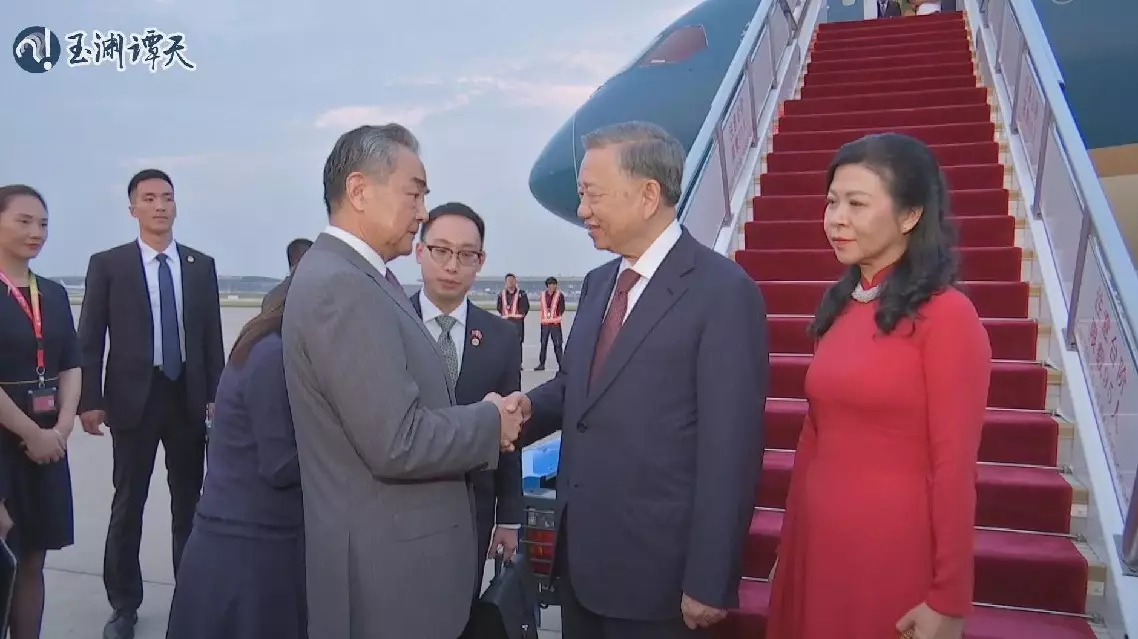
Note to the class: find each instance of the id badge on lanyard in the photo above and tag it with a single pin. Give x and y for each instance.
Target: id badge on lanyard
(42, 398)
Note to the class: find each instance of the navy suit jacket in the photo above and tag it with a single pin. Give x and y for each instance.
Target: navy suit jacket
(661, 456)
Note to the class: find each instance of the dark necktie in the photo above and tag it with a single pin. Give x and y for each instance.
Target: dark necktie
(614, 319)
(390, 275)
(168, 310)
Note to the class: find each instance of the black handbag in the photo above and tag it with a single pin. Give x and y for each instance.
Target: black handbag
(508, 608)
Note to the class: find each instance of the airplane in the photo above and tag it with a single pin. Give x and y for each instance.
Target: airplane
(671, 84)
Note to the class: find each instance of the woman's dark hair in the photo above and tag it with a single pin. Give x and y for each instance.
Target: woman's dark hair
(13, 191)
(915, 182)
(266, 322)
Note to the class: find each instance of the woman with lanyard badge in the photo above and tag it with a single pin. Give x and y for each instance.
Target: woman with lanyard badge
(40, 377)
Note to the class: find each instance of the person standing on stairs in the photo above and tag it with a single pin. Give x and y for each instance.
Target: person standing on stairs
(877, 540)
(659, 401)
(552, 310)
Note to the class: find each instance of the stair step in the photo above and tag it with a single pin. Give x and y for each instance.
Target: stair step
(749, 621)
(869, 72)
(934, 45)
(909, 24)
(979, 231)
(929, 134)
(948, 155)
(923, 116)
(1012, 497)
(1014, 384)
(1012, 339)
(811, 207)
(991, 299)
(871, 60)
(888, 87)
(907, 99)
(1010, 436)
(1013, 568)
(988, 264)
(974, 177)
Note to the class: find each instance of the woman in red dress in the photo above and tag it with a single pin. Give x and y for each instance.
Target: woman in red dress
(878, 536)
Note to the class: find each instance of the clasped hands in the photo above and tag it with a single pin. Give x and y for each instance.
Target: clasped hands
(513, 411)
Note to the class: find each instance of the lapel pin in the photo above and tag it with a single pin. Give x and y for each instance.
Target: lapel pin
(475, 337)
(190, 259)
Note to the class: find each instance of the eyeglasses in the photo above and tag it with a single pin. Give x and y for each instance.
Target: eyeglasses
(442, 256)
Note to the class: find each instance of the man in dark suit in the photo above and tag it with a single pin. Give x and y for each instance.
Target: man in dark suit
(660, 402)
(159, 302)
(294, 251)
(486, 359)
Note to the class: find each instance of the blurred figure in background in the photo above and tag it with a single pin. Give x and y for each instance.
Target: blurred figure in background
(294, 251)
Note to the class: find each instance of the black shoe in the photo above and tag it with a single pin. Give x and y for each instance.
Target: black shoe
(121, 625)
(540, 367)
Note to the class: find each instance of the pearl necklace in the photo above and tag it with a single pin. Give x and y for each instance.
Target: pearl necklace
(865, 295)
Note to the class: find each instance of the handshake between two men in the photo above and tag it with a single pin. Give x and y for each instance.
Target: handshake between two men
(514, 411)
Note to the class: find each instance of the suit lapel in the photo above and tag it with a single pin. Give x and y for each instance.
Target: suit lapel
(189, 277)
(587, 325)
(474, 362)
(135, 272)
(665, 288)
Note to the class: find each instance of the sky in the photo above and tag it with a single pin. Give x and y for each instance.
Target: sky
(244, 136)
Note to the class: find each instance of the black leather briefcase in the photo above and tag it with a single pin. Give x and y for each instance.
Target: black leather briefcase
(508, 608)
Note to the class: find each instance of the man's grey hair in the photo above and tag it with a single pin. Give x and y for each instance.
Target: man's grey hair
(367, 149)
(646, 151)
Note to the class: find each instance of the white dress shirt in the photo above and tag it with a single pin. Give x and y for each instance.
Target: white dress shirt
(361, 247)
(648, 263)
(431, 313)
(150, 269)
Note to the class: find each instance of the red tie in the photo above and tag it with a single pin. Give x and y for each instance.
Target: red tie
(614, 319)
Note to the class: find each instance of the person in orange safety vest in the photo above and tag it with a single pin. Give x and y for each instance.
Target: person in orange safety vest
(513, 304)
(552, 308)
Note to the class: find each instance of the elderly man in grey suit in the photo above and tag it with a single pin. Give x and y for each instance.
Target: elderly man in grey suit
(384, 453)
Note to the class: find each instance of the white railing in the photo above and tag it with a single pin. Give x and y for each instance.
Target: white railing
(1096, 276)
(716, 167)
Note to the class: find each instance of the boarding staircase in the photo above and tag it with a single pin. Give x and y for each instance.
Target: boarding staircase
(1040, 258)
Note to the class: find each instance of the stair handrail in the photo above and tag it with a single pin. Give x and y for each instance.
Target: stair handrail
(713, 168)
(1096, 272)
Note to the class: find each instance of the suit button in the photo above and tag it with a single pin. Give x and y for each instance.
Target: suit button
(581, 427)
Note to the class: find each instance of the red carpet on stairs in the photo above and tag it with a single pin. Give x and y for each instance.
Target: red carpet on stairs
(1024, 555)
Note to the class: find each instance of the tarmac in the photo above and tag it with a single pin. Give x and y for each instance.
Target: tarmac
(76, 602)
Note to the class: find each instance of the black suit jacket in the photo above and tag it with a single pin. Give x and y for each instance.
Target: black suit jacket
(661, 454)
(116, 301)
(491, 366)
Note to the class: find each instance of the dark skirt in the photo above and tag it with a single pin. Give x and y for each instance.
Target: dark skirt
(239, 583)
(38, 498)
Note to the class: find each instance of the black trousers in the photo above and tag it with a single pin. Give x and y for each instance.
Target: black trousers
(550, 331)
(164, 420)
(578, 622)
(521, 326)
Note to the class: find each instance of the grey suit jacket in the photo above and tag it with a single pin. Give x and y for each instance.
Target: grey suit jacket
(383, 454)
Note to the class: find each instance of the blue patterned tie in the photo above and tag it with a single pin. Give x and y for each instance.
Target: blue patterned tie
(171, 343)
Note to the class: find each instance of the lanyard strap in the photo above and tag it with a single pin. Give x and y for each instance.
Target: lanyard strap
(33, 313)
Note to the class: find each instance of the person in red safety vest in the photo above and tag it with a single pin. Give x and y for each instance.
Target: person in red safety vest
(513, 304)
(552, 308)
